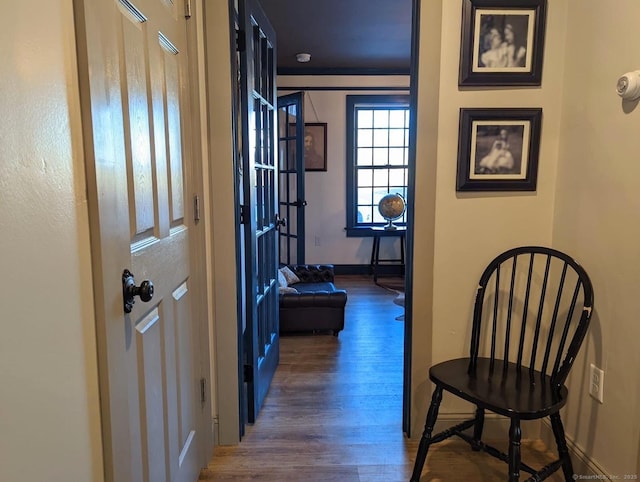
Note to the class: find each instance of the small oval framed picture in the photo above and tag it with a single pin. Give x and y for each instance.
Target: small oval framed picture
(502, 42)
(498, 149)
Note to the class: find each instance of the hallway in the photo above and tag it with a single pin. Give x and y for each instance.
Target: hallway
(334, 410)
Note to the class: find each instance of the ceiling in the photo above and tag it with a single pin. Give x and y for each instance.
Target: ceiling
(342, 36)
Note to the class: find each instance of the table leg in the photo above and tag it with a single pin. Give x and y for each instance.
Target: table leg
(375, 257)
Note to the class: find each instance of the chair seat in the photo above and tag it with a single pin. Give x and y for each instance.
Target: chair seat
(496, 390)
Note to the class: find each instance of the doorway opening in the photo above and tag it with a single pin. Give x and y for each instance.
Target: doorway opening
(246, 206)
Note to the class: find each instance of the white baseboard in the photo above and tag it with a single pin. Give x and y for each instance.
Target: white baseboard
(583, 465)
(215, 427)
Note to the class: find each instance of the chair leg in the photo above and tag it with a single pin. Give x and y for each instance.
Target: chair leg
(563, 451)
(477, 429)
(425, 441)
(515, 434)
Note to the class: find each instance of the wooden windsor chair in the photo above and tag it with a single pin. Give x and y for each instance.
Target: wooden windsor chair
(532, 310)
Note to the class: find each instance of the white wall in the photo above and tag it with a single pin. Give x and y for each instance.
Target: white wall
(596, 219)
(221, 240)
(325, 192)
(49, 412)
(586, 203)
(470, 228)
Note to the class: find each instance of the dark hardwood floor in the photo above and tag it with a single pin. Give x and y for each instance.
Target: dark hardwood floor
(334, 410)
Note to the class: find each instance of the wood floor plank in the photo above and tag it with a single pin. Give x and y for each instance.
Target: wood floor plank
(334, 410)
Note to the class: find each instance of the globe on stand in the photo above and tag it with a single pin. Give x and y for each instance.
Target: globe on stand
(391, 207)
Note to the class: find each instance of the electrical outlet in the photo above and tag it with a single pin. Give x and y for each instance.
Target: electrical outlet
(317, 240)
(596, 383)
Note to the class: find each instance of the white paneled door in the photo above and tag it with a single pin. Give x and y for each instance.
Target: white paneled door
(133, 65)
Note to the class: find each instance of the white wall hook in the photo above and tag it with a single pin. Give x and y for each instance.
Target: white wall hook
(628, 86)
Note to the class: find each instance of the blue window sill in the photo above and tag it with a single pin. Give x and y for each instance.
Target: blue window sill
(368, 231)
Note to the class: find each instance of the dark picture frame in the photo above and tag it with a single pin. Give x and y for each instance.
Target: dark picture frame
(315, 146)
(498, 149)
(502, 42)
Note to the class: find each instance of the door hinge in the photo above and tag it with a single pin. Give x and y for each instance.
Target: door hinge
(187, 9)
(241, 43)
(244, 214)
(196, 208)
(248, 373)
(203, 391)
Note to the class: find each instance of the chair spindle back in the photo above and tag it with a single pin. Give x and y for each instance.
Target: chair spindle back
(532, 308)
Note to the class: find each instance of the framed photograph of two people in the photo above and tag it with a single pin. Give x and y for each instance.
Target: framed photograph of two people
(502, 42)
(498, 149)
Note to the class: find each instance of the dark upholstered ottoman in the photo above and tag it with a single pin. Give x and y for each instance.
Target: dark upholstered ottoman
(317, 306)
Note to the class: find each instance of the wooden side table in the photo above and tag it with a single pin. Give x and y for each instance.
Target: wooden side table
(378, 234)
